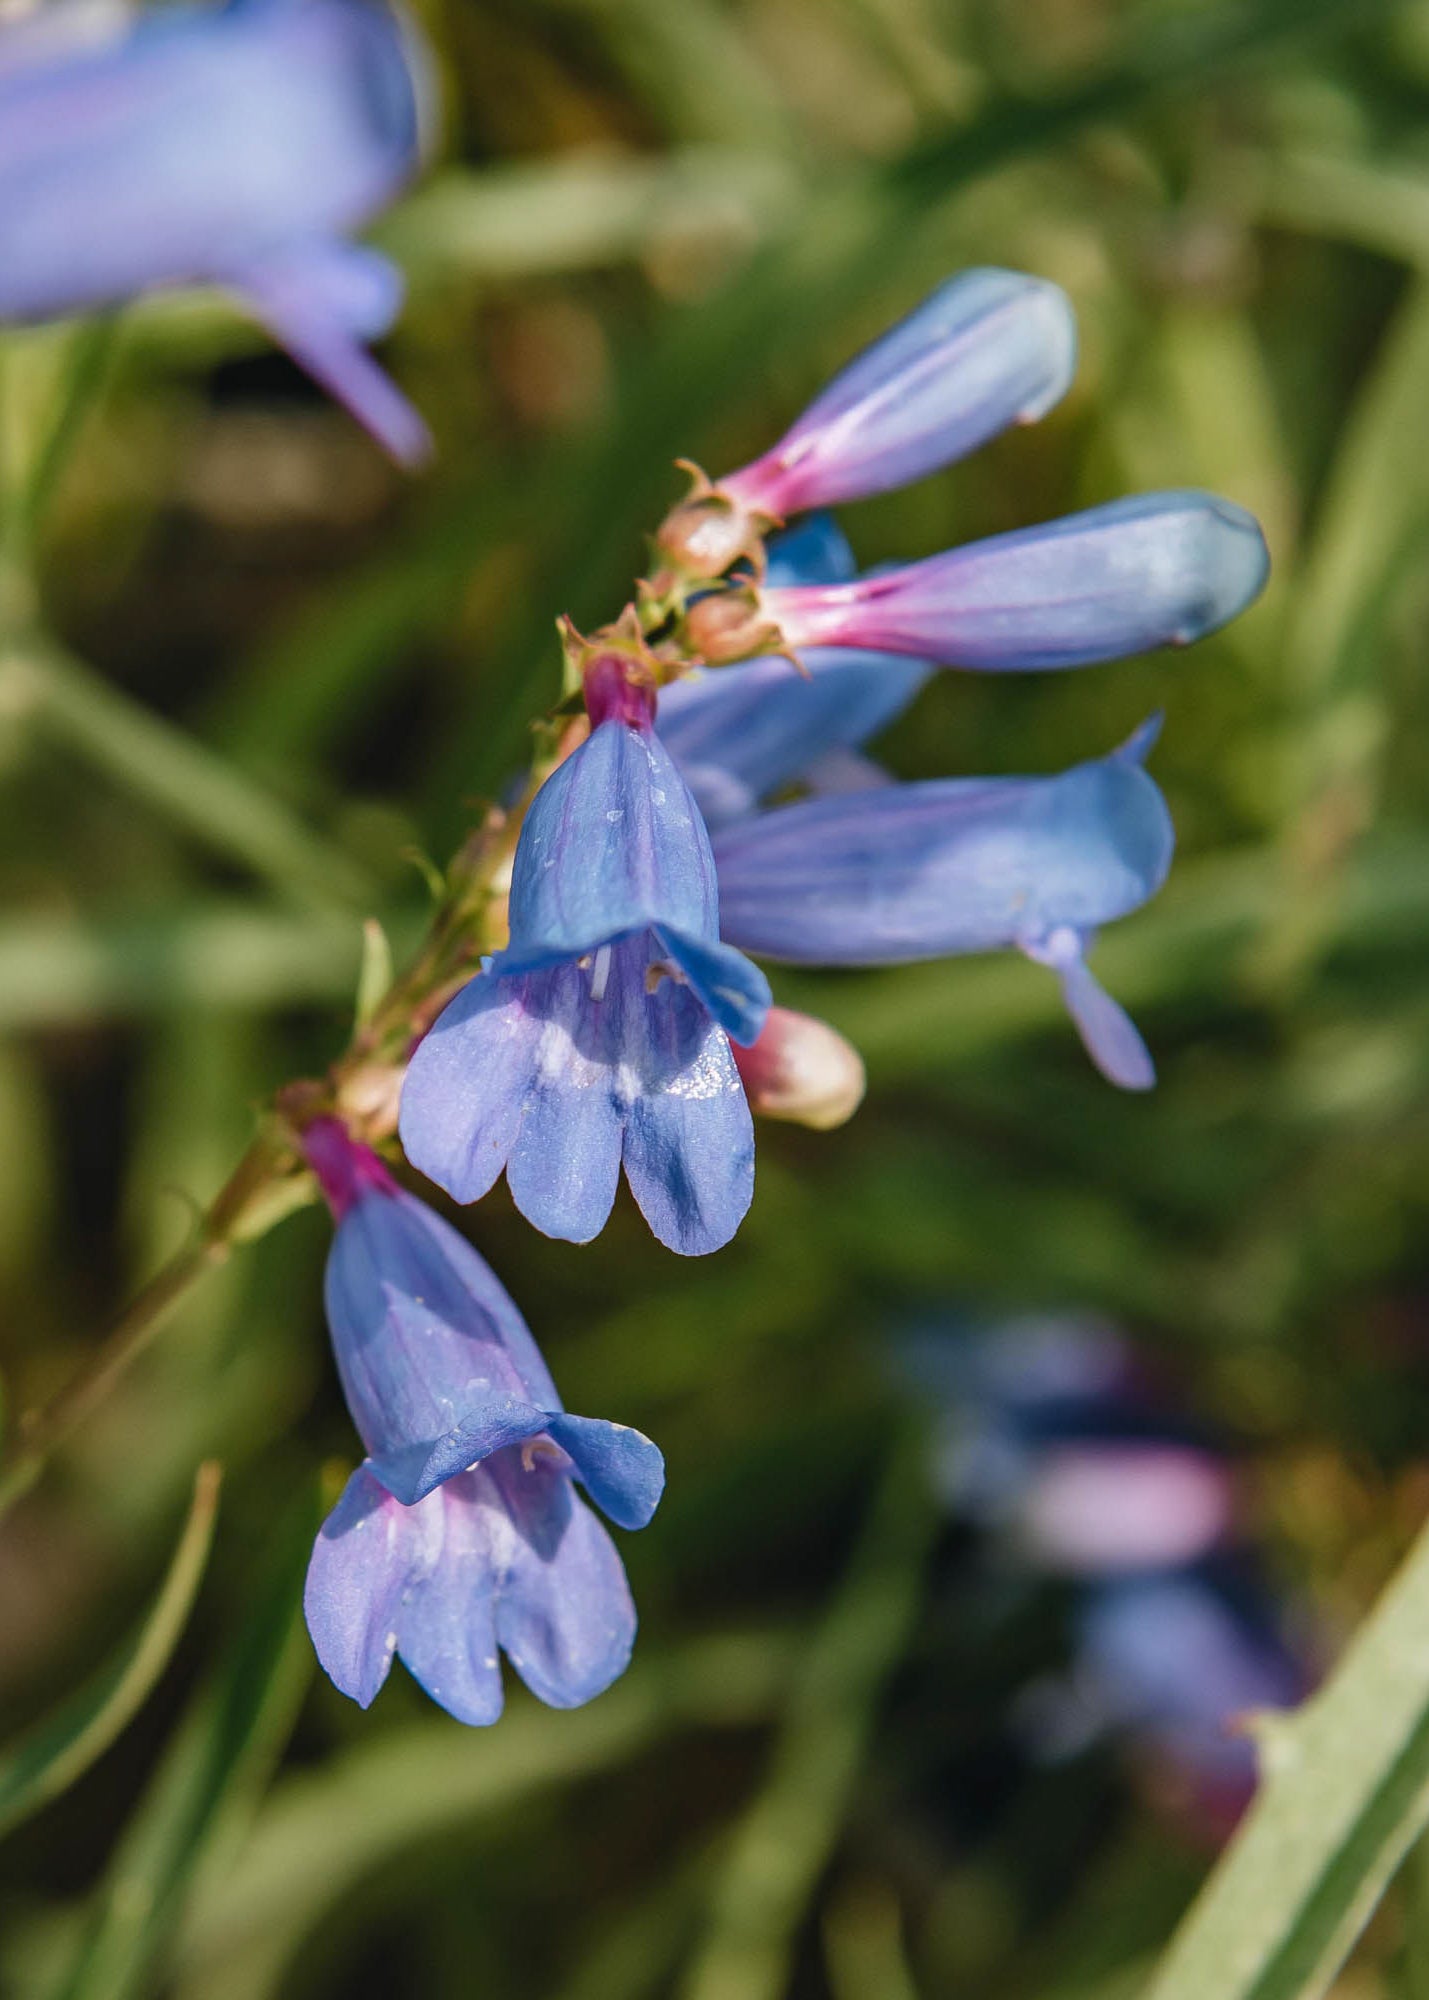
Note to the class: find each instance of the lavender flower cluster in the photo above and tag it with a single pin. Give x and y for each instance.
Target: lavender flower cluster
(624, 1026)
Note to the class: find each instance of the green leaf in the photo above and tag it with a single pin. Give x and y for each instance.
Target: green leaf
(220, 1754)
(50, 1759)
(1345, 1793)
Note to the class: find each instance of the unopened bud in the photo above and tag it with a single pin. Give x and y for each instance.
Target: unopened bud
(730, 625)
(710, 531)
(803, 1071)
(703, 538)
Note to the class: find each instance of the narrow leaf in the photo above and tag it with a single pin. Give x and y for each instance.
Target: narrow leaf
(218, 1755)
(1346, 1791)
(62, 1749)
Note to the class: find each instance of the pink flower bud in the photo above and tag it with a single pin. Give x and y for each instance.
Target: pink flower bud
(803, 1071)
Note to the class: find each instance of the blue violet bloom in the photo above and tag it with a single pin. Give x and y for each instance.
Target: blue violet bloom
(946, 867)
(987, 349)
(601, 1036)
(461, 1532)
(1156, 569)
(235, 145)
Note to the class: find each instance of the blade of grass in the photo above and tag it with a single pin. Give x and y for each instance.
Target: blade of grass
(229, 1737)
(1344, 1794)
(48, 1761)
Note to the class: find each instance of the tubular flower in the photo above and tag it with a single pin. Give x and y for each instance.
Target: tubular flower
(600, 1036)
(929, 870)
(237, 146)
(740, 733)
(987, 349)
(461, 1531)
(1158, 569)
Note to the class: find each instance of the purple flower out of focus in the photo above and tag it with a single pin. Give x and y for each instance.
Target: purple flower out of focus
(235, 145)
(600, 1037)
(1074, 1459)
(461, 1532)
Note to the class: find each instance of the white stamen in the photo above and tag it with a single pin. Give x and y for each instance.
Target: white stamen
(600, 973)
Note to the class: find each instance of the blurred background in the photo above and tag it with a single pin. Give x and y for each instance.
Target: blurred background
(870, 1747)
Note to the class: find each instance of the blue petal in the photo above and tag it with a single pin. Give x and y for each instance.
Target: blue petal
(926, 870)
(539, 1073)
(411, 1472)
(988, 349)
(564, 1164)
(613, 843)
(612, 847)
(1172, 1649)
(623, 1472)
(361, 1563)
(320, 303)
(689, 1139)
(816, 550)
(564, 1616)
(1154, 570)
(741, 732)
(469, 1081)
(437, 1364)
(1109, 1035)
(734, 992)
(210, 145)
(446, 1630)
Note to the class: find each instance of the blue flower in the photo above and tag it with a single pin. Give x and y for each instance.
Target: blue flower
(989, 348)
(235, 145)
(506, 1555)
(741, 732)
(461, 1532)
(600, 1036)
(927, 870)
(1156, 569)
(436, 1362)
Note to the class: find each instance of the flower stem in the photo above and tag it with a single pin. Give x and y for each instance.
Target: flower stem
(243, 1208)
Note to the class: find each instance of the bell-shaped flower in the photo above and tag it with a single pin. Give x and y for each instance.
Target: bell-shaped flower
(989, 348)
(437, 1365)
(740, 732)
(600, 1036)
(237, 146)
(506, 1555)
(928, 870)
(461, 1532)
(1158, 569)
